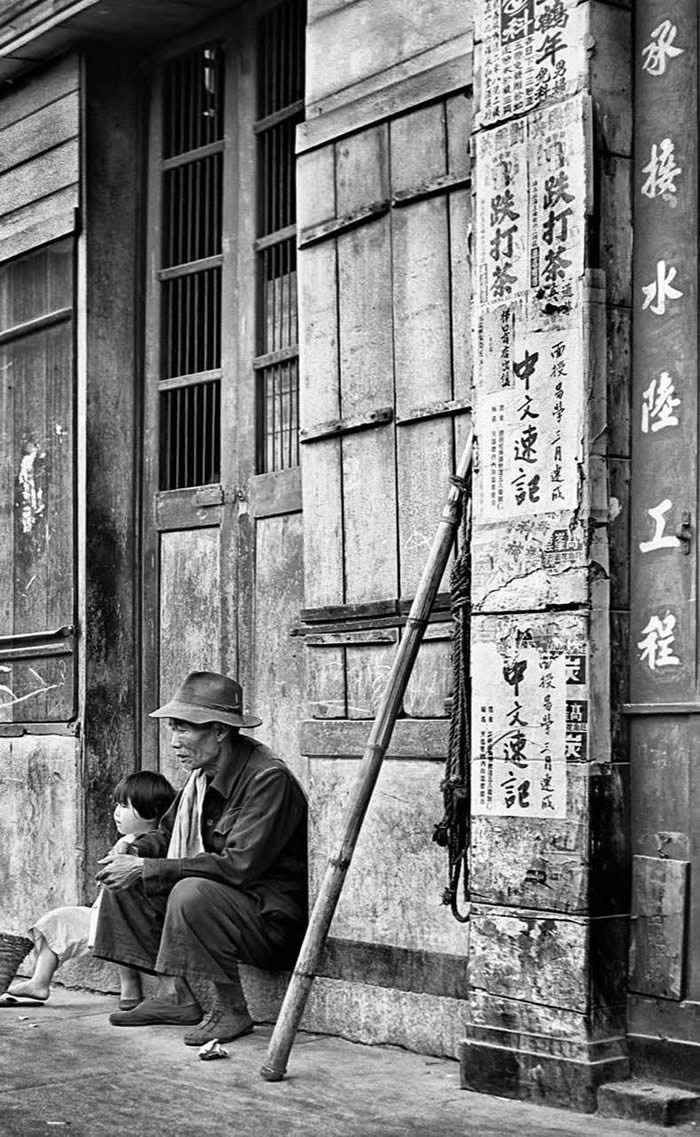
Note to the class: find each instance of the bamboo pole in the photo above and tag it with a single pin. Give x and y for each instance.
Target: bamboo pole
(275, 1065)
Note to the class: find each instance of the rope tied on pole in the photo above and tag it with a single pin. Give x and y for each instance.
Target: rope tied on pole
(453, 831)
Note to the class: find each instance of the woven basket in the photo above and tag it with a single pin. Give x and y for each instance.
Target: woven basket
(12, 951)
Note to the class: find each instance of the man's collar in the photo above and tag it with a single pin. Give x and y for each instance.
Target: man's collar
(230, 766)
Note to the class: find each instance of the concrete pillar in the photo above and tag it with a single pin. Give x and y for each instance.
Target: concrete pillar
(552, 233)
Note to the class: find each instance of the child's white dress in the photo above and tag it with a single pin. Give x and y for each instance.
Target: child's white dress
(69, 932)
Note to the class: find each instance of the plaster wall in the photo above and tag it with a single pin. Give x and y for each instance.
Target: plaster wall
(40, 827)
(351, 42)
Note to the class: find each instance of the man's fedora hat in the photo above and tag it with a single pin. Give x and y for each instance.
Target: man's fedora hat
(206, 696)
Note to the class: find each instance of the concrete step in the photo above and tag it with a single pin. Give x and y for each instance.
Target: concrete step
(640, 1100)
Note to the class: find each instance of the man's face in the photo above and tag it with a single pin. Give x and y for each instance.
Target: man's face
(197, 747)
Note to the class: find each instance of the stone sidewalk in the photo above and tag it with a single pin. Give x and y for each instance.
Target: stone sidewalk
(64, 1069)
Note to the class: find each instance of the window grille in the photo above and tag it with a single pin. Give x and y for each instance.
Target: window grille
(193, 169)
(280, 69)
(190, 276)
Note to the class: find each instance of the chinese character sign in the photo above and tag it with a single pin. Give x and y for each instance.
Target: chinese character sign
(534, 720)
(532, 53)
(665, 368)
(532, 198)
(533, 421)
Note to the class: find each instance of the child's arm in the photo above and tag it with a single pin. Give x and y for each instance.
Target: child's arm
(123, 844)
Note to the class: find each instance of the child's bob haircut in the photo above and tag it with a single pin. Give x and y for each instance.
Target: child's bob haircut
(150, 794)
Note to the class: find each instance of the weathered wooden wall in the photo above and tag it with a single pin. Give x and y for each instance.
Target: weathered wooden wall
(384, 212)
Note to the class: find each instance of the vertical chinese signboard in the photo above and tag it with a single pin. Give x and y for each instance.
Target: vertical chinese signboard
(664, 403)
(532, 497)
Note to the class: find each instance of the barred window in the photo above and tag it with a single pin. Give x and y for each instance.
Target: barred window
(280, 53)
(197, 166)
(191, 267)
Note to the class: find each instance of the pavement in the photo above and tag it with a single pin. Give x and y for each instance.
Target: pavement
(64, 1069)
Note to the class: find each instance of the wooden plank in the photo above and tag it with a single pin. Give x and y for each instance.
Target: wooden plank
(275, 690)
(7, 495)
(618, 531)
(314, 234)
(411, 738)
(611, 75)
(45, 129)
(362, 169)
(60, 205)
(433, 187)
(40, 91)
(275, 493)
(325, 681)
(111, 368)
(238, 345)
(365, 421)
(460, 269)
(433, 410)
(619, 685)
(48, 228)
(418, 147)
(657, 944)
(425, 463)
(47, 174)
(316, 187)
(619, 379)
(365, 303)
(458, 114)
(323, 524)
(150, 549)
(356, 44)
(29, 18)
(615, 195)
(31, 563)
(319, 397)
(189, 632)
(422, 300)
(330, 613)
(369, 509)
(445, 68)
(431, 680)
(40, 689)
(363, 636)
(368, 667)
(180, 509)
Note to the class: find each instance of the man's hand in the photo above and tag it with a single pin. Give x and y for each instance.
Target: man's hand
(121, 871)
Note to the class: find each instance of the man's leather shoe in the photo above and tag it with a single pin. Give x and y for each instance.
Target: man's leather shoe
(222, 1023)
(158, 1011)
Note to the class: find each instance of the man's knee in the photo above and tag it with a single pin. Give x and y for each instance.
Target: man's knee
(189, 894)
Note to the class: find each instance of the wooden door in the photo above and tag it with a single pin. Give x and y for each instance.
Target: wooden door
(221, 370)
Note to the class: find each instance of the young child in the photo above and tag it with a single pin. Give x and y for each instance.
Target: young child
(64, 933)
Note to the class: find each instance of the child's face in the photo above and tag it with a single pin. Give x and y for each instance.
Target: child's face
(128, 820)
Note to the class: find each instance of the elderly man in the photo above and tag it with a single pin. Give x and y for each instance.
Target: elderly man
(222, 880)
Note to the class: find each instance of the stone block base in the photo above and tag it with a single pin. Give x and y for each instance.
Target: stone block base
(531, 1076)
(639, 1100)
